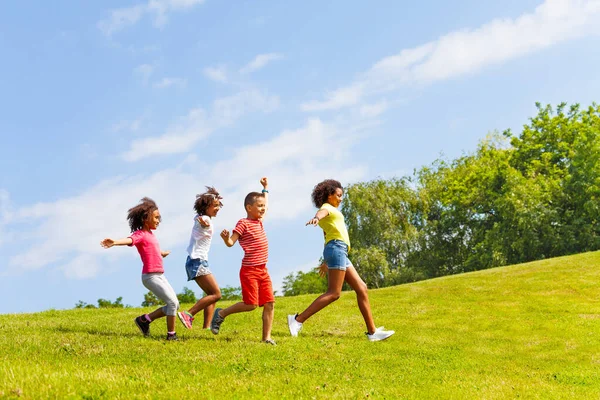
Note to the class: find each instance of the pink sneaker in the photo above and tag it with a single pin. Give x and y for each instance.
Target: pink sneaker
(186, 319)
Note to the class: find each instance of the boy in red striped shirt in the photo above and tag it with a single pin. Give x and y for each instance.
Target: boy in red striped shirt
(257, 289)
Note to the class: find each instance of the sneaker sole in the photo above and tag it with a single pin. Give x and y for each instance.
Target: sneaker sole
(380, 340)
(180, 315)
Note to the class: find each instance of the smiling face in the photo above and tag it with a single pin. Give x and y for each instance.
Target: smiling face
(258, 209)
(153, 220)
(213, 209)
(335, 198)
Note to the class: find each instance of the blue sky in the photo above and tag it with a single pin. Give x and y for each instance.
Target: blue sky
(107, 102)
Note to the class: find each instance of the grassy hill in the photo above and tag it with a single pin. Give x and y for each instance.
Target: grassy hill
(529, 331)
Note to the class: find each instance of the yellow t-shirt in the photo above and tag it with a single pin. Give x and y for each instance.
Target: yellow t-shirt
(333, 225)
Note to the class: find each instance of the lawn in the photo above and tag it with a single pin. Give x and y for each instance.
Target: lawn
(528, 331)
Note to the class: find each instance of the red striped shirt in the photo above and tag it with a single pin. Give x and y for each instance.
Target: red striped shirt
(253, 240)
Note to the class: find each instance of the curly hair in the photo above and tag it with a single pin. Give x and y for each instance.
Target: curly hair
(323, 190)
(139, 214)
(206, 199)
(251, 198)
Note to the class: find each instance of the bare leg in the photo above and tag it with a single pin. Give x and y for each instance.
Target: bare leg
(237, 308)
(170, 323)
(209, 311)
(335, 280)
(362, 297)
(158, 313)
(267, 317)
(209, 285)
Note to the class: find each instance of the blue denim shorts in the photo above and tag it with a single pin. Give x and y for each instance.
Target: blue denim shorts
(196, 267)
(335, 255)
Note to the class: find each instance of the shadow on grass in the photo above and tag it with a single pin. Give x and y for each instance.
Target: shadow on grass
(106, 333)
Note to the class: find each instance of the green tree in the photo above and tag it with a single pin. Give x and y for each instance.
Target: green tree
(231, 293)
(103, 303)
(186, 296)
(304, 283)
(150, 300)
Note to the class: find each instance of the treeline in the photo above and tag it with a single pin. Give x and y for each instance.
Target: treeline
(186, 296)
(517, 198)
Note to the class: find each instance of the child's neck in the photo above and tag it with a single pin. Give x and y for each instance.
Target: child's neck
(253, 219)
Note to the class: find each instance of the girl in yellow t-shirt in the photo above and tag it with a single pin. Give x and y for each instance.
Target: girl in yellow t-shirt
(327, 196)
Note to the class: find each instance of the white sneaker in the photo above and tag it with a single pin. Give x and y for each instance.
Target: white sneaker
(294, 325)
(379, 334)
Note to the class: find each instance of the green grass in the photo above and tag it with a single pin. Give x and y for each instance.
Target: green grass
(527, 331)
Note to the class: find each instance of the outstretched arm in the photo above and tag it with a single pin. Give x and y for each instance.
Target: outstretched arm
(108, 242)
(229, 240)
(319, 216)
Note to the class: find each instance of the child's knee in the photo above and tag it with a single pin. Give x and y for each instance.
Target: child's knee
(270, 306)
(362, 288)
(173, 305)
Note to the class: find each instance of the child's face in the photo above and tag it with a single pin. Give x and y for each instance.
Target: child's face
(213, 208)
(153, 220)
(258, 209)
(335, 198)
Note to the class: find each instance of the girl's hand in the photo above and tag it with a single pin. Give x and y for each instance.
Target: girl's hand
(225, 235)
(107, 243)
(165, 253)
(313, 221)
(323, 269)
(264, 182)
(202, 221)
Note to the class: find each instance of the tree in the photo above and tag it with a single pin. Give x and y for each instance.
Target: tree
(304, 283)
(103, 303)
(150, 300)
(231, 293)
(186, 296)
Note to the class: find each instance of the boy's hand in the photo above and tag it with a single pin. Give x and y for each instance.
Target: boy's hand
(107, 243)
(225, 235)
(165, 253)
(264, 182)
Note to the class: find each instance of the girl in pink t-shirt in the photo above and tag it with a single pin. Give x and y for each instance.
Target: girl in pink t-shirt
(143, 219)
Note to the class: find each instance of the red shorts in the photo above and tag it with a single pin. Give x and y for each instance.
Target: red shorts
(256, 285)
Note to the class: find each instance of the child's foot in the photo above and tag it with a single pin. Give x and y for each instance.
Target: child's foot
(294, 325)
(270, 341)
(379, 334)
(143, 325)
(186, 319)
(216, 322)
(172, 336)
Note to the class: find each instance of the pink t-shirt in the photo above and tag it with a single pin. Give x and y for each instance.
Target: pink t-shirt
(147, 245)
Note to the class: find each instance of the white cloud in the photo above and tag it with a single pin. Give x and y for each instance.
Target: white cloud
(121, 18)
(144, 71)
(373, 110)
(469, 50)
(170, 82)
(66, 233)
(197, 125)
(217, 74)
(343, 97)
(259, 62)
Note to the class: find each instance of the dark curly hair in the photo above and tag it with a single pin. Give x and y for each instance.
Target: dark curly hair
(323, 190)
(139, 214)
(206, 199)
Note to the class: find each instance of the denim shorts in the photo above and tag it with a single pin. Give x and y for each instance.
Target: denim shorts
(335, 255)
(196, 267)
